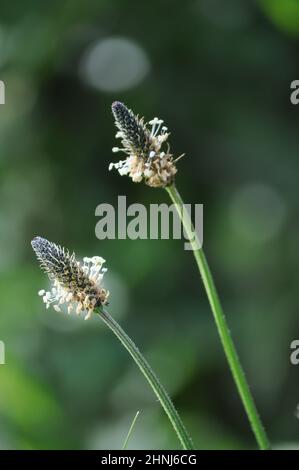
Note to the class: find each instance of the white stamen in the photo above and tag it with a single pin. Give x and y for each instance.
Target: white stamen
(148, 173)
(88, 315)
(78, 309)
(97, 260)
(70, 308)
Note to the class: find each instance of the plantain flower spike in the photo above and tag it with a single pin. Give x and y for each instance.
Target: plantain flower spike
(74, 283)
(147, 151)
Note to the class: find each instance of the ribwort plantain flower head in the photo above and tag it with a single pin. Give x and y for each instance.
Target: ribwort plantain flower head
(74, 283)
(146, 158)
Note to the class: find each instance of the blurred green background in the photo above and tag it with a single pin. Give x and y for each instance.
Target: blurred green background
(219, 73)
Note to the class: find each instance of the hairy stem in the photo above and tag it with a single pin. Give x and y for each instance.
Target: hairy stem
(222, 326)
(150, 377)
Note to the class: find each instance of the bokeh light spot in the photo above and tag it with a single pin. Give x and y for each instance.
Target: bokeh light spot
(257, 212)
(114, 64)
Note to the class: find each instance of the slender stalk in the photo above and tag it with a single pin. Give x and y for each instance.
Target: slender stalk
(130, 431)
(222, 326)
(150, 377)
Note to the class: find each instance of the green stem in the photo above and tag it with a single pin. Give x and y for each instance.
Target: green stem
(150, 377)
(222, 326)
(130, 431)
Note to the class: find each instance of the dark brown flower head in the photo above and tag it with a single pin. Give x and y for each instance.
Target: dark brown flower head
(73, 282)
(132, 129)
(145, 159)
